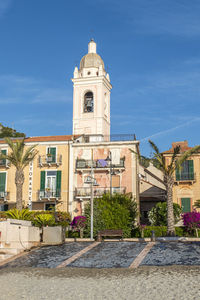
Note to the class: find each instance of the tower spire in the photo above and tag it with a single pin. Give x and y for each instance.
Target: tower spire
(92, 47)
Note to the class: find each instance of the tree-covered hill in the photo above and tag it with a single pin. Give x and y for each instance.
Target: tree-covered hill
(9, 132)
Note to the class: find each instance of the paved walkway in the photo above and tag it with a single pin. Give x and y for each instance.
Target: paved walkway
(110, 255)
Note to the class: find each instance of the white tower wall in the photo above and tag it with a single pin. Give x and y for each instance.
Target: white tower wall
(91, 96)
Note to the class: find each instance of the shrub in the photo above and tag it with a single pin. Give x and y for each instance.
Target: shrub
(115, 212)
(191, 221)
(197, 203)
(72, 234)
(160, 231)
(44, 220)
(78, 222)
(23, 214)
(62, 218)
(158, 214)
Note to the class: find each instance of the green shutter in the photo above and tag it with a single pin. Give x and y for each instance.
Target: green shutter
(191, 169)
(3, 161)
(58, 184)
(42, 181)
(186, 204)
(177, 174)
(53, 153)
(2, 182)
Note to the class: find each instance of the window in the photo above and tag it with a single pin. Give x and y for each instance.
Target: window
(88, 102)
(49, 206)
(50, 184)
(3, 207)
(51, 155)
(51, 181)
(3, 161)
(186, 172)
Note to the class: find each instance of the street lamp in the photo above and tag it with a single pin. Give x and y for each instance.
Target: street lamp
(112, 172)
(92, 181)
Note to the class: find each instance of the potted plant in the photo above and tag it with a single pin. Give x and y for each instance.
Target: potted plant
(49, 157)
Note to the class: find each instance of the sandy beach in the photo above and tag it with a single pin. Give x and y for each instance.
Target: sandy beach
(174, 282)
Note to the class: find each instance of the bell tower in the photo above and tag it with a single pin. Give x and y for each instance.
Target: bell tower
(91, 97)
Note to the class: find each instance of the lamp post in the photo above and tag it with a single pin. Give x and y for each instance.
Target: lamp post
(92, 181)
(111, 166)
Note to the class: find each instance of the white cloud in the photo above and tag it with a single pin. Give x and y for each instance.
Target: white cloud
(170, 130)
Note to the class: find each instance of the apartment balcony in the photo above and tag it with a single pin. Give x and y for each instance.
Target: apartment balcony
(4, 196)
(4, 163)
(49, 194)
(50, 160)
(85, 192)
(185, 178)
(101, 164)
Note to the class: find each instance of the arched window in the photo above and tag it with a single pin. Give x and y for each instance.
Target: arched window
(88, 102)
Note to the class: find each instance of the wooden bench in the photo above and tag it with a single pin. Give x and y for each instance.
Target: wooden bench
(110, 232)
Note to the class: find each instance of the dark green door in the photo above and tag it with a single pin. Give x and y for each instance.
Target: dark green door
(2, 182)
(186, 204)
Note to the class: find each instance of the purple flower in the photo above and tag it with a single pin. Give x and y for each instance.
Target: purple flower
(191, 219)
(78, 222)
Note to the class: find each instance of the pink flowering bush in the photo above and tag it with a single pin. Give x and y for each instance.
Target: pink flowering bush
(78, 224)
(191, 221)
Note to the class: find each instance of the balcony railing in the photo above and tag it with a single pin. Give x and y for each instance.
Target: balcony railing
(106, 138)
(4, 163)
(49, 194)
(4, 195)
(50, 160)
(185, 177)
(98, 191)
(98, 164)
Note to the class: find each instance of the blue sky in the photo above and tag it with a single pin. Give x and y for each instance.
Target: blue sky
(151, 50)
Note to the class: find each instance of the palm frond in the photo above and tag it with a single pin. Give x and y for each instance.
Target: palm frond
(29, 155)
(18, 156)
(186, 155)
(159, 158)
(172, 165)
(155, 148)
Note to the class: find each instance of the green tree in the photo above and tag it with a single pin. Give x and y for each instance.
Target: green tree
(20, 158)
(9, 132)
(158, 214)
(115, 212)
(168, 172)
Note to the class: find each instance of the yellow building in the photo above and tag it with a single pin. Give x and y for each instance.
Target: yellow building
(186, 189)
(46, 178)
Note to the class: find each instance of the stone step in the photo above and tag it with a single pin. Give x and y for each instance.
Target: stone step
(5, 256)
(12, 251)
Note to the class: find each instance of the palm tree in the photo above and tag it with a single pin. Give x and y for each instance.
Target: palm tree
(20, 158)
(168, 172)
